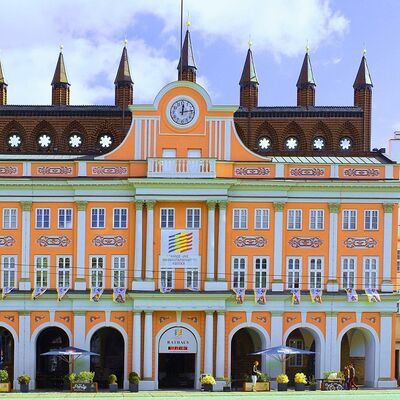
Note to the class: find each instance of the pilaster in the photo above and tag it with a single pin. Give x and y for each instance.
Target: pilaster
(333, 285)
(80, 281)
(277, 283)
(25, 283)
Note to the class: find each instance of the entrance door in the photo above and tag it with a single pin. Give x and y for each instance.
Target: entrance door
(7, 352)
(176, 371)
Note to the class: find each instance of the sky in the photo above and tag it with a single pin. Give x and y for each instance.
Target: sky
(93, 31)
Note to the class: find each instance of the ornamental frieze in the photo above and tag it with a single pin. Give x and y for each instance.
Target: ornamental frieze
(111, 170)
(7, 241)
(108, 241)
(55, 170)
(360, 242)
(250, 241)
(305, 242)
(54, 241)
(361, 172)
(252, 171)
(8, 170)
(306, 172)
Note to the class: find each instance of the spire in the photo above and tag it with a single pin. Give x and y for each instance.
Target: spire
(60, 74)
(124, 73)
(123, 81)
(187, 64)
(249, 75)
(306, 83)
(2, 78)
(60, 84)
(363, 78)
(249, 83)
(3, 87)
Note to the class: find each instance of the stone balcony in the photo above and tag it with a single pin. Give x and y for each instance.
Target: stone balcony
(181, 168)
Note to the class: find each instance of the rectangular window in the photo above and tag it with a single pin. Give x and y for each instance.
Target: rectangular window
(293, 268)
(261, 272)
(192, 278)
(349, 268)
(370, 268)
(317, 220)
(97, 268)
(297, 360)
(64, 271)
(9, 218)
(315, 270)
(42, 271)
(193, 218)
(239, 267)
(98, 218)
(167, 278)
(120, 218)
(398, 260)
(43, 218)
(371, 220)
(294, 219)
(119, 271)
(9, 271)
(349, 219)
(261, 218)
(240, 218)
(65, 218)
(167, 218)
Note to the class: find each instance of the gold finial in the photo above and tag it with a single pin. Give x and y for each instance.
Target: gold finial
(125, 42)
(307, 47)
(188, 24)
(61, 48)
(250, 43)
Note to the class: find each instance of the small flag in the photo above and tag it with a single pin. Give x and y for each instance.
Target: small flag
(239, 294)
(95, 293)
(373, 296)
(296, 296)
(37, 292)
(260, 295)
(5, 291)
(119, 295)
(165, 289)
(61, 292)
(352, 295)
(316, 295)
(194, 288)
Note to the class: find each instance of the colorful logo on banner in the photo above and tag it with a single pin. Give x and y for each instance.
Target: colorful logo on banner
(180, 242)
(296, 296)
(37, 292)
(373, 296)
(6, 291)
(119, 295)
(260, 295)
(316, 295)
(352, 295)
(61, 292)
(239, 294)
(95, 293)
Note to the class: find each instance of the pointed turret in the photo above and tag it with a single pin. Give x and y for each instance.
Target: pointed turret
(306, 83)
(249, 83)
(3, 87)
(187, 65)
(60, 84)
(123, 81)
(363, 98)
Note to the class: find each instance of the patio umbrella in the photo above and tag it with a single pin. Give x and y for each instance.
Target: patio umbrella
(70, 354)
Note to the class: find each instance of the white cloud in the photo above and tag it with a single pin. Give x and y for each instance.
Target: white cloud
(92, 31)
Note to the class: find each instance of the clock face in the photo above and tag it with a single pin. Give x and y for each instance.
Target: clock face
(182, 112)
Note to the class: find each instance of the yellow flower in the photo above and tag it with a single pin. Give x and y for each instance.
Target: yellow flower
(300, 378)
(282, 378)
(207, 380)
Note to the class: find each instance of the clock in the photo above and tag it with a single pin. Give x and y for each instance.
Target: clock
(182, 112)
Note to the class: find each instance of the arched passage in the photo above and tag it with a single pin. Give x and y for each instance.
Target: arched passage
(7, 352)
(50, 370)
(109, 343)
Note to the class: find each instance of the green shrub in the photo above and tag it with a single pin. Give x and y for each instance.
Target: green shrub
(24, 379)
(134, 378)
(261, 377)
(3, 376)
(112, 379)
(69, 378)
(85, 377)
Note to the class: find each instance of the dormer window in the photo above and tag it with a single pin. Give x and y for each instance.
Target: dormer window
(345, 143)
(44, 140)
(292, 143)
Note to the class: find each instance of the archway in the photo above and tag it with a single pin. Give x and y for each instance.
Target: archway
(358, 348)
(50, 370)
(109, 343)
(7, 352)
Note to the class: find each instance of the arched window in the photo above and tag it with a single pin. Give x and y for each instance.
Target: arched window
(75, 140)
(319, 143)
(345, 143)
(292, 143)
(264, 143)
(105, 140)
(44, 140)
(14, 140)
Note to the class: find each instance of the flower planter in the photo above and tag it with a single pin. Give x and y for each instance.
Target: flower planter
(226, 388)
(24, 387)
(133, 387)
(282, 387)
(207, 387)
(113, 387)
(313, 387)
(260, 387)
(5, 387)
(84, 387)
(299, 387)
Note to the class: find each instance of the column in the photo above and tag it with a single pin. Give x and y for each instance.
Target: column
(81, 364)
(25, 362)
(277, 283)
(208, 343)
(137, 341)
(25, 283)
(80, 281)
(332, 353)
(221, 240)
(387, 283)
(333, 247)
(276, 340)
(210, 240)
(220, 351)
(148, 346)
(149, 240)
(137, 274)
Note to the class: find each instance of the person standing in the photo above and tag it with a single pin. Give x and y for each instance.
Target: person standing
(352, 375)
(254, 374)
(347, 377)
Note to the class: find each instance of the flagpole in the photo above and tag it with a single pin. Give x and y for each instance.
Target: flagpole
(180, 57)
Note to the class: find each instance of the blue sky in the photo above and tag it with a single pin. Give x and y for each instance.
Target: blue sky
(92, 32)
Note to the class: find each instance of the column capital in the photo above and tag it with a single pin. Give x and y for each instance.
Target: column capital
(334, 208)
(139, 204)
(222, 204)
(221, 312)
(24, 313)
(148, 312)
(79, 313)
(279, 206)
(211, 204)
(388, 207)
(276, 314)
(209, 312)
(137, 312)
(150, 204)
(26, 205)
(81, 205)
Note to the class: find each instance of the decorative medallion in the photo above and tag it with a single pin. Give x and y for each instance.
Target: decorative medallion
(310, 242)
(9, 318)
(55, 170)
(108, 241)
(66, 318)
(235, 319)
(262, 319)
(306, 172)
(256, 171)
(365, 172)
(250, 241)
(109, 170)
(8, 170)
(163, 319)
(360, 242)
(7, 241)
(93, 318)
(193, 319)
(54, 241)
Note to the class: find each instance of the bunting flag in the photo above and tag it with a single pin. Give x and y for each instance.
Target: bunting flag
(165, 289)
(95, 293)
(260, 295)
(296, 296)
(5, 291)
(37, 292)
(194, 288)
(239, 294)
(316, 295)
(119, 295)
(373, 296)
(352, 295)
(61, 292)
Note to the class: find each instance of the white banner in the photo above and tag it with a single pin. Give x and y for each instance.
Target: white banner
(178, 340)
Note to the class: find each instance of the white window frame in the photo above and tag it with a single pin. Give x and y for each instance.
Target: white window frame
(240, 218)
(371, 223)
(99, 271)
(297, 360)
(259, 271)
(95, 217)
(294, 219)
(164, 272)
(316, 273)
(65, 222)
(168, 217)
(346, 221)
(117, 220)
(317, 221)
(9, 265)
(191, 272)
(261, 221)
(119, 270)
(293, 271)
(43, 270)
(12, 219)
(370, 282)
(190, 220)
(42, 219)
(347, 268)
(240, 272)
(64, 271)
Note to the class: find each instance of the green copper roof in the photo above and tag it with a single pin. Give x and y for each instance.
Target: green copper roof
(123, 73)
(306, 77)
(363, 78)
(249, 74)
(2, 78)
(60, 74)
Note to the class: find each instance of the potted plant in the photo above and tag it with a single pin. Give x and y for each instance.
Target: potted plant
(113, 385)
(263, 382)
(313, 383)
(68, 379)
(134, 380)
(300, 381)
(5, 385)
(227, 387)
(282, 381)
(207, 382)
(83, 382)
(23, 381)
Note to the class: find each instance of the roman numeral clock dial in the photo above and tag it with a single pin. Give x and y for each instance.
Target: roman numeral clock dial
(182, 112)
